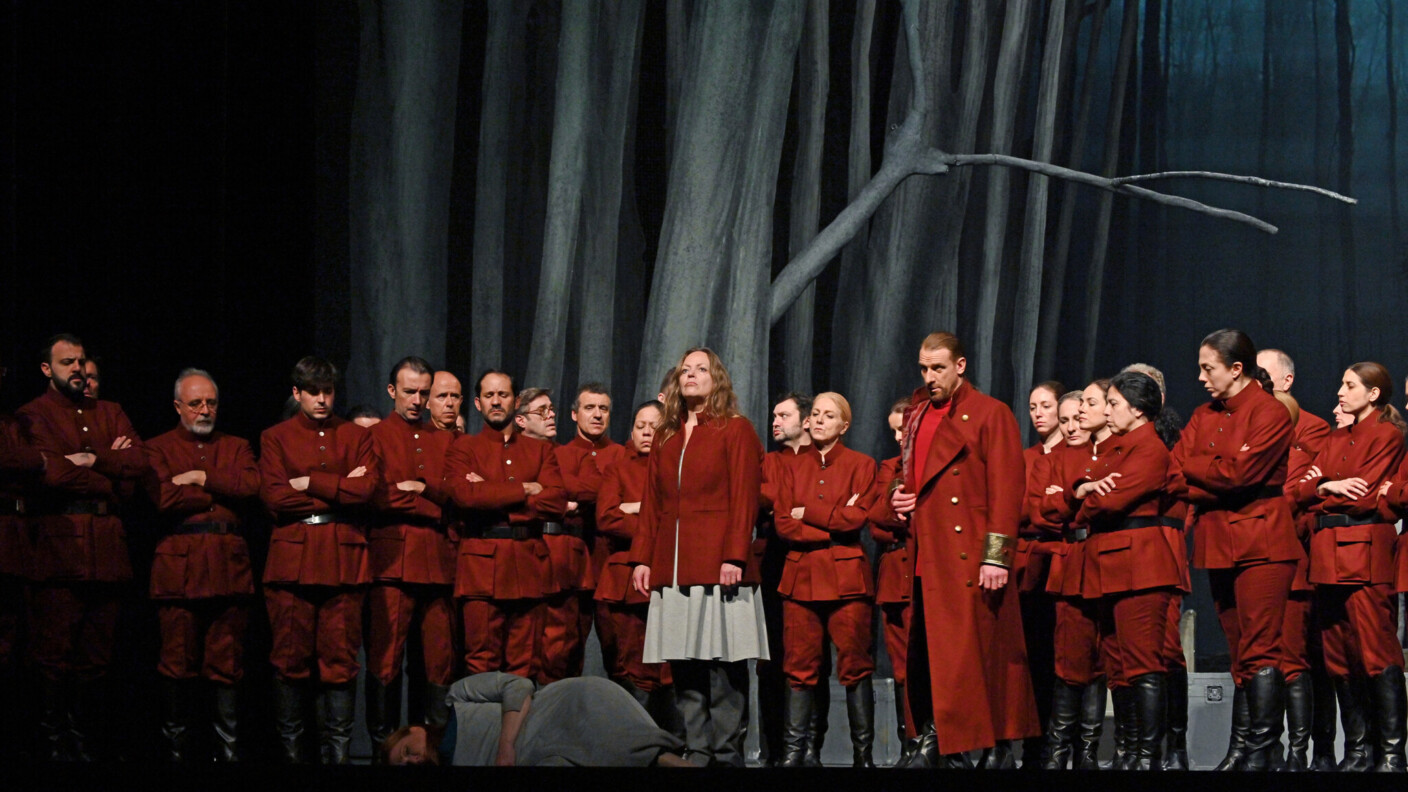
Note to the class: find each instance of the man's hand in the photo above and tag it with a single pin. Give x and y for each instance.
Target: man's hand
(572, 507)
(358, 472)
(82, 459)
(1384, 488)
(798, 511)
(1103, 486)
(195, 478)
(121, 443)
(532, 488)
(1350, 488)
(631, 508)
(300, 483)
(854, 497)
(473, 478)
(1052, 489)
(903, 502)
(411, 486)
(640, 579)
(730, 574)
(991, 577)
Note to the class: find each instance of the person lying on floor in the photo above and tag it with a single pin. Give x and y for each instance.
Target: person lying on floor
(499, 719)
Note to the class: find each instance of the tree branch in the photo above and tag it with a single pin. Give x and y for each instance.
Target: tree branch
(1255, 180)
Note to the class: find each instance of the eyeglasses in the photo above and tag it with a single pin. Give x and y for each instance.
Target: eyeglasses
(195, 404)
(541, 412)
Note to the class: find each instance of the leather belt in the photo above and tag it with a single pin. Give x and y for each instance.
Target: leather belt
(890, 547)
(322, 519)
(1075, 535)
(1267, 492)
(1132, 523)
(559, 529)
(84, 507)
(503, 531)
(12, 506)
(219, 528)
(1344, 520)
(809, 546)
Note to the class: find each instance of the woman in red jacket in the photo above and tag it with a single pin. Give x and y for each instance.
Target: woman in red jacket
(826, 586)
(1351, 565)
(1036, 544)
(1133, 566)
(894, 586)
(1230, 466)
(695, 538)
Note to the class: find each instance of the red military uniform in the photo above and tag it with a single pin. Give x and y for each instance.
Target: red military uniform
(1351, 552)
(1037, 543)
(894, 587)
(1243, 532)
(412, 553)
(577, 557)
(969, 483)
(80, 541)
(201, 575)
(1393, 505)
(622, 608)
(1077, 633)
(1306, 442)
(503, 572)
(317, 570)
(826, 586)
(21, 466)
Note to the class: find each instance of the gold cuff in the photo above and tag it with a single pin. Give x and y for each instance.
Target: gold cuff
(897, 483)
(1000, 550)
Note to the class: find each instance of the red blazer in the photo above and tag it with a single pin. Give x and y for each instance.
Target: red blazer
(624, 483)
(577, 562)
(1239, 522)
(894, 583)
(410, 538)
(972, 483)
(1310, 433)
(817, 570)
(1055, 512)
(330, 554)
(710, 491)
(1354, 554)
(196, 565)
(1119, 560)
(21, 468)
(503, 569)
(81, 546)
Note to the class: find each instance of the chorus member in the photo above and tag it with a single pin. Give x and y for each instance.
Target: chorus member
(363, 416)
(701, 501)
(446, 399)
(92, 379)
(21, 469)
(1134, 567)
(80, 556)
(1312, 430)
(963, 491)
(412, 555)
(893, 584)
(621, 610)
(584, 461)
(318, 476)
(506, 485)
(203, 482)
(1352, 567)
(1230, 466)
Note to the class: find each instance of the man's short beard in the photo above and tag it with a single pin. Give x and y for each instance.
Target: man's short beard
(498, 426)
(198, 429)
(64, 387)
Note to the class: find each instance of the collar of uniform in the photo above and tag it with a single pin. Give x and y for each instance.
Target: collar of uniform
(84, 403)
(1243, 398)
(830, 458)
(1135, 436)
(304, 422)
(498, 434)
(187, 436)
(401, 423)
(578, 441)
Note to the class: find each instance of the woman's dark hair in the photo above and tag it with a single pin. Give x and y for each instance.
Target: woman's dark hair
(433, 736)
(1143, 394)
(1234, 346)
(1374, 375)
(1057, 389)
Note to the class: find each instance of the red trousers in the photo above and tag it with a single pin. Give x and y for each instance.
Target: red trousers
(1251, 604)
(1077, 640)
(805, 628)
(502, 635)
(203, 638)
(626, 625)
(1359, 629)
(393, 609)
(73, 626)
(308, 622)
(1173, 636)
(566, 624)
(12, 608)
(1133, 631)
(894, 621)
(1295, 630)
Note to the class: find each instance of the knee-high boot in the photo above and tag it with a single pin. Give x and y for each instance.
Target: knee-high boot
(1389, 706)
(1237, 738)
(797, 727)
(821, 716)
(290, 700)
(1300, 700)
(860, 711)
(908, 743)
(1149, 701)
(1266, 704)
(177, 706)
(1176, 720)
(1125, 725)
(1358, 757)
(1323, 721)
(1061, 728)
(1092, 725)
(226, 723)
(383, 707)
(338, 703)
(437, 709)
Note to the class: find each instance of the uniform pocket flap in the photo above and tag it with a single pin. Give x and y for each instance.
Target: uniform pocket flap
(1354, 534)
(478, 547)
(1118, 540)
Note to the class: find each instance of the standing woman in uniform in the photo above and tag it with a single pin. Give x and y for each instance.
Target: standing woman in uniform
(894, 587)
(1230, 466)
(1351, 565)
(695, 538)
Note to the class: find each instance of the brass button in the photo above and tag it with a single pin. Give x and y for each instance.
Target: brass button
(322, 464)
(80, 412)
(510, 478)
(965, 417)
(963, 556)
(322, 448)
(593, 453)
(202, 459)
(508, 461)
(85, 428)
(955, 471)
(200, 445)
(823, 481)
(320, 434)
(420, 467)
(417, 450)
(958, 529)
(970, 584)
(953, 500)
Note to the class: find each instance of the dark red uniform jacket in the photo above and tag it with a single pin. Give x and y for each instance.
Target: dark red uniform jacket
(200, 565)
(624, 483)
(825, 559)
(711, 494)
(1357, 554)
(332, 553)
(893, 581)
(1241, 517)
(578, 561)
(410, 539)
(1120, 559)
(81, 546)
(503, 569)
(21, 467)
(1054, 512)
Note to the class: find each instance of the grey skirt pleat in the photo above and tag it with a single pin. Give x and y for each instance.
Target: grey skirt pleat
(701, 624)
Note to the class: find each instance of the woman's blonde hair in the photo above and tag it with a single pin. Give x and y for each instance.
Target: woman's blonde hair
(721, 403)
(842, 406)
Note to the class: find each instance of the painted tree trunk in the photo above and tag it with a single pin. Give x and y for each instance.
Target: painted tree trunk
(1344, 178)
(403, 148)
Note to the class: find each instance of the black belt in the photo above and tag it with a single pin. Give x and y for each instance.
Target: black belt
(84, 507)
(1132, 523)
(559, 529)
(12, 506)
(1075, 535)
(809, 546)
(1267, 492)
(522, 531)
(219, 528)
(1344, 520)
(890, 547)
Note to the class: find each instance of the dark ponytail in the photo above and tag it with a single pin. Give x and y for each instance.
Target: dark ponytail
(1143, 394)
(1374, 375)
(1234, 346)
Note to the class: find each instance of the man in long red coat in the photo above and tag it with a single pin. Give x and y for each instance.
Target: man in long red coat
(962, 494)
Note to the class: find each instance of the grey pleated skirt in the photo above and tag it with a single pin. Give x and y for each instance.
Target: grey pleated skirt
(699, 623)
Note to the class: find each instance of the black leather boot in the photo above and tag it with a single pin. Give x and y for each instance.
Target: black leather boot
(1034, 752)
(797, 727)
(1125, 736)
(1237, 739)
(925, 755)
(52, 719)
(437, 710)
(860, 710)
(383, 708)
(1176, 720)
(177, 706)
(226, 723)
(84, 701)
(821, 711)
(1389, 706)
(1300, 701)
(1150, 697)
(1061, 729)
(1357, 753)
(998, 757)
(1092, 726)
(1323, 722)
(907, 742)
(1266, 704)
(338, 707)
(290, 700)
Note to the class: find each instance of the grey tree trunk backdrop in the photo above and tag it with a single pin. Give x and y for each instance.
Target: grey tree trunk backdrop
(654, 176)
